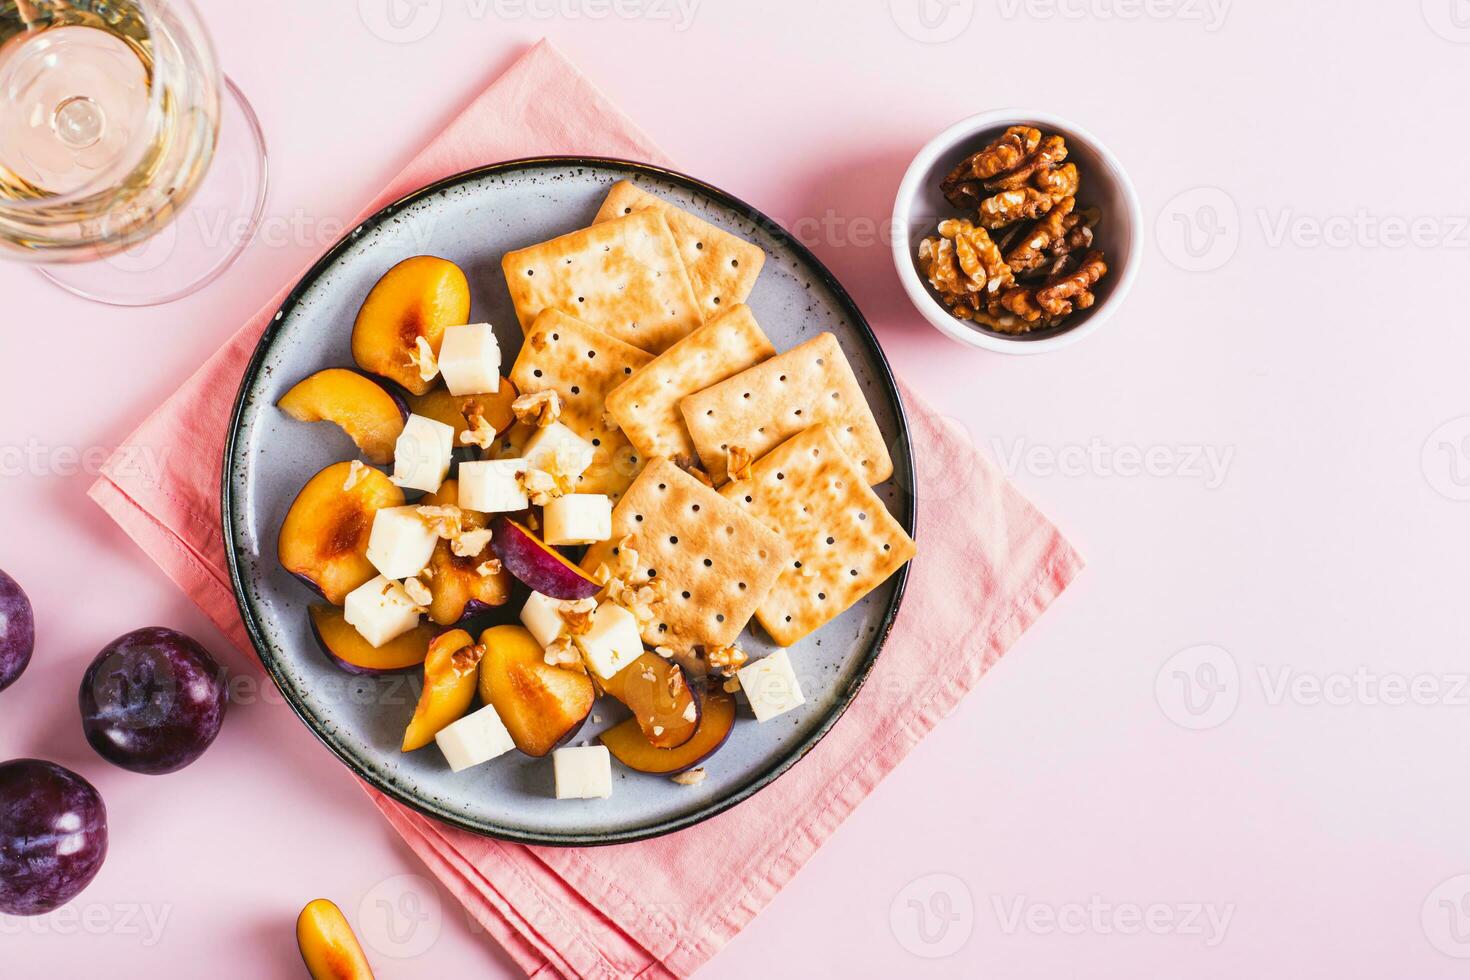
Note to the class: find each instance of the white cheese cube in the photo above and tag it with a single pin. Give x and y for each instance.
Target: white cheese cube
(470, 360)
(613, 642)
(583, 773)
(490, 486)
(771, 686)
(541, 618)
(578, 518)
(422, 454)
(474, 740)
(381, 611)
(401, 543)
(557, 449)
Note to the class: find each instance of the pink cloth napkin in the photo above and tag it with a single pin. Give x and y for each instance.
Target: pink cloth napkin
(658, 908)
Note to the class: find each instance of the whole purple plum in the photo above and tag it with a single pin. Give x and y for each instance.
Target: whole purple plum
(53, 836)
(152, 701)
(17, 631)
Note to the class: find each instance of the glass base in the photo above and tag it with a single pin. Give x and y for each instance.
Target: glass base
(203, 240)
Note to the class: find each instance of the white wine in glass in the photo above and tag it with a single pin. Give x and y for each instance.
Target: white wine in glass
(123, 151)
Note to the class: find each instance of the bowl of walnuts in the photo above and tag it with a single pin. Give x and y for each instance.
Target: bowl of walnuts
(1021, 232)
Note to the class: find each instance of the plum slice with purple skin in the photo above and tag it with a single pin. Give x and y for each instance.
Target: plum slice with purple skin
(53, 836)
(367, 411)
(657, 692)
(542, 705)
(459, 592)
(417, 298)
(631, 747)
(17, 631)
(538, 565)
(152, 701)
(324, 538)
(346, 648)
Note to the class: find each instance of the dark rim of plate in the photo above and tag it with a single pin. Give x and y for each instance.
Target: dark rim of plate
(904, 471)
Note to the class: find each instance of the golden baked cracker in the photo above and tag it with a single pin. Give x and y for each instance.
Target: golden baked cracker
(582, 365)
(762, 407)
(624, 277)
(647, 404)
(716, 563)
(843, 541)
(722, 266)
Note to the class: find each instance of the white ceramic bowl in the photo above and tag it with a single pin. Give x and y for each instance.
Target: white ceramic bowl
(1105, 185)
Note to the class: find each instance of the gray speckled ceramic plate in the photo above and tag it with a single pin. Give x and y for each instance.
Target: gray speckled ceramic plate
(473, 219)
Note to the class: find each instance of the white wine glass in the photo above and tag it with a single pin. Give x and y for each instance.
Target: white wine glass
(131, 171)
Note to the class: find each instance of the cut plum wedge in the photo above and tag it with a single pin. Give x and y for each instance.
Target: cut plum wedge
(418, 297)
(345, 646)
(328, 946)
(542, 706)
(537, 564)
(364, 409)
(458, 589)
(658, 694)
(631, 747)
(324, 538)
(455, 410)
(451, 677)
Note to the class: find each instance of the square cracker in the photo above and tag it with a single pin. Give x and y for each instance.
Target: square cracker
(764, 406)
(843, 541)
(722, 266)
(647, 404)
(583, 365)
(623, 277)
(716, 562)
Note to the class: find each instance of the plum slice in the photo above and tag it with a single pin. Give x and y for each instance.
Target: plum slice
(416, 298)
(542, 706)
(451, 676)
(328, 946)
(346, 648)
(458, 589)
(324, 538)
(658, 694)
(455, 410)
(629, 746)
(537, 564)
(364, 409)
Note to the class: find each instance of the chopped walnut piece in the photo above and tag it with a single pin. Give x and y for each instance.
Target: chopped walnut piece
(467, 659)
(1045, 239)
(561, 652)
(489, 568)
(964, 266)
(691, 777)
(731, 686)
(739, 463)
(540, 486)
(1060, 295)
(355, 473)
(1051, 152)
(602, 574)
(538, 408)
(418, 592)
(964, 184)
(422, 357)
(470, 544)
(480, 433)
(577, 614)
(725, 660)
(447, 521)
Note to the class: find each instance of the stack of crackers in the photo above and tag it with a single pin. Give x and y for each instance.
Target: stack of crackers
(743, 476)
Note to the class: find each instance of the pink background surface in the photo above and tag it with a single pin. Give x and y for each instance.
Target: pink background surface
(1079, 815)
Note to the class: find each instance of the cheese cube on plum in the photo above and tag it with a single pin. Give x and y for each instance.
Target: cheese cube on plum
(771, 686)
(381, 611)
(541, 618)
(577, 518)
(474, 740)
(469, 360)
(490, 486)
(613, 642)
(557, 449)
(583, 773)
(401, 543)
(422, 455)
